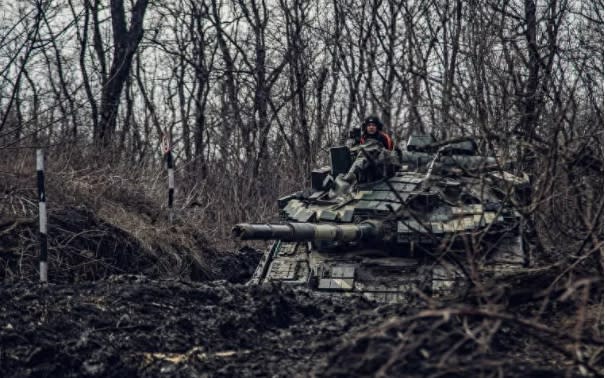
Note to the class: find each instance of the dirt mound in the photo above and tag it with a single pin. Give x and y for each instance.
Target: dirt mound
(237, 267)
(84, 247)
(438, 342)
(102, 223)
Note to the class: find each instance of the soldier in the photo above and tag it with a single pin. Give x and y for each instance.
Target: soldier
(372, 128)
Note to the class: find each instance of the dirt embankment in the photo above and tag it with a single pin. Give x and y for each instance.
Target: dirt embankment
(102, 224)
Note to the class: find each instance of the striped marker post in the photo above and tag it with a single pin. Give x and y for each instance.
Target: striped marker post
(170, 165)
(42, 215)
(167, 150)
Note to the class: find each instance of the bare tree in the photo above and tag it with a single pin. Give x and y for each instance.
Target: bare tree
(125, 43)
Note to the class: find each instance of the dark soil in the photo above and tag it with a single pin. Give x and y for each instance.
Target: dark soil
(129, 325)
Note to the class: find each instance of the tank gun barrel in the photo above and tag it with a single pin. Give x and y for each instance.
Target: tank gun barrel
(292, 231)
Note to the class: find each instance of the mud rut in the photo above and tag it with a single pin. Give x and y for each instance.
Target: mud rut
(98, 319)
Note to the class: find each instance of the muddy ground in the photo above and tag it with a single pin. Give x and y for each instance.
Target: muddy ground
(129, 325)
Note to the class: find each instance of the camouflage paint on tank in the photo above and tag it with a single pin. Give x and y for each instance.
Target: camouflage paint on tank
(396, 223)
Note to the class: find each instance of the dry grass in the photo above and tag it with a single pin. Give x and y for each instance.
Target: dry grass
(112, 201)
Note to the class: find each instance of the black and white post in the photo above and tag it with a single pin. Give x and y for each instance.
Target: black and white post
(170, 166)
(42, 215)
(167, 151)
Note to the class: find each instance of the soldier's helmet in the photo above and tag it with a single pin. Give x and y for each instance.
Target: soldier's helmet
(372, 119)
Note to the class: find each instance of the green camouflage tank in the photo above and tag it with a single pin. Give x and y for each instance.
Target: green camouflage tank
(391, 224)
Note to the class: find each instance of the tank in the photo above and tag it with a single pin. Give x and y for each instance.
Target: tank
(423, 220)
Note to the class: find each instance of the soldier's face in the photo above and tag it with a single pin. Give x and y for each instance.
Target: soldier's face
(371, 128)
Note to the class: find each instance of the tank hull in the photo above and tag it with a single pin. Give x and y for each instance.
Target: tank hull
(386, 276)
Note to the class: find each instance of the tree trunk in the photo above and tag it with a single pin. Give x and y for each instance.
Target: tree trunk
(126, 40)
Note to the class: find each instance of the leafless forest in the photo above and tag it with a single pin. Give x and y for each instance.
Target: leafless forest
(251, 93)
